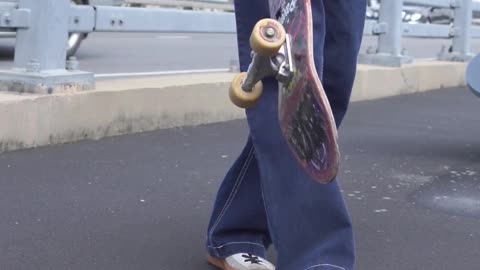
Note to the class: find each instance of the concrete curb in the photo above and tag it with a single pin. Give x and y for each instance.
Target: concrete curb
(374, 82)
(145, 104)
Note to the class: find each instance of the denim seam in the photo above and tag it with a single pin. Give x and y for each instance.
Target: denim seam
(238, 181)
(325, 264)
(266, 209)
(237, 184)
(237, 243)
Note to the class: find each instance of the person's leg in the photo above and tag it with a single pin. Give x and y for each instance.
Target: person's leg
(309, 223)
(345, 21)
(238, 223)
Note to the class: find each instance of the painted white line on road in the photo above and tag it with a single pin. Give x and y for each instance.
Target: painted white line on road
(160, 73)
(174, 37)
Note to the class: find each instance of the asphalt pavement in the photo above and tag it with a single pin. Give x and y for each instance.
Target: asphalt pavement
(107, 53)
(410, 176)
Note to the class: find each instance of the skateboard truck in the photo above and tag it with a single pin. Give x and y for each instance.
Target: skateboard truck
(283, 60)
(271, 56)
(261, 67)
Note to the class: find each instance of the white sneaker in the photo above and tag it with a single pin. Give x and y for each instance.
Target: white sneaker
(242, 261)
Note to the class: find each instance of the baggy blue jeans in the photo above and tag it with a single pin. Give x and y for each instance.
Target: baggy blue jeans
(266, 198)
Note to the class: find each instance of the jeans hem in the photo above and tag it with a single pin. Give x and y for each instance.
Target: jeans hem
(325, 266)
(231, 248)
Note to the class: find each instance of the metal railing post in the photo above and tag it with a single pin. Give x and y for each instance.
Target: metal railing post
(40, 52)
(391, 16)
(43, 42)
(389, 29)
(461, 32)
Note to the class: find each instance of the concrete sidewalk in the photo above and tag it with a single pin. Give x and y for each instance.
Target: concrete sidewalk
(410, 175)
(144, 104)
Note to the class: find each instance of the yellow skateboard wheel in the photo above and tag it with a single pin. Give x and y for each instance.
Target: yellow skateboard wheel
(242, 98)
(267, 37)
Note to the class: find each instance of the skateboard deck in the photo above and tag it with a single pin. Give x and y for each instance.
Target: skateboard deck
(305, 114)
(473, 75)
(304, 111)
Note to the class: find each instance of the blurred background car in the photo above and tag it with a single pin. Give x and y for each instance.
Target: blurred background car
(416, 14)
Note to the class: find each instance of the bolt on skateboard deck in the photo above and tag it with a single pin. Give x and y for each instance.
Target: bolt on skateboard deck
(282, 47)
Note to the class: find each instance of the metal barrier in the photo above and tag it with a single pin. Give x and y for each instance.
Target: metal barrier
(40, 66)
(183, 4)
(391, 27)
(39, 62)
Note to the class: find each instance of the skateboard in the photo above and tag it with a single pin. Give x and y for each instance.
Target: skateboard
(473, 75)
(282, 47)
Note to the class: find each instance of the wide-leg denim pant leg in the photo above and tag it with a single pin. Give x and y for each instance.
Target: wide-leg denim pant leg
(266, 197)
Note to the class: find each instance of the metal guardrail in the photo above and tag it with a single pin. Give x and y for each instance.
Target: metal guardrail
(40, 66)
(390, 29)
(123, 19)
(182, 4)
(39, 61)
